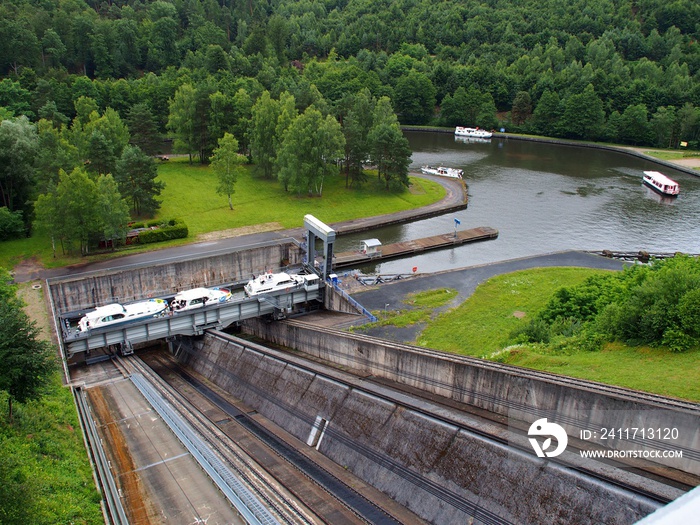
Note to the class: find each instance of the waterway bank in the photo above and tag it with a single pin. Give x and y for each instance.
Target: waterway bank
(690, 165)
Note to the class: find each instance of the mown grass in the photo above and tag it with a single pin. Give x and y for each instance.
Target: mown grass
(419, 308)
(480, 327)
(190, 194)
(481, 324)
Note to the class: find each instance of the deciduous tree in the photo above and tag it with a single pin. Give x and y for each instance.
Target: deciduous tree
(309, 152)
(227, 164)
(262, 133)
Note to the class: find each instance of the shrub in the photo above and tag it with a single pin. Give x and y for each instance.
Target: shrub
(173, 229)
(536, 331)
(11, 224)
(677, 341)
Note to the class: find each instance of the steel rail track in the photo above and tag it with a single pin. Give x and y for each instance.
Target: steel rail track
(241, 482)
(363, 508)
(112, 509)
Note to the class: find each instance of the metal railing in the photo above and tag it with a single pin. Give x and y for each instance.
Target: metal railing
(353, 302)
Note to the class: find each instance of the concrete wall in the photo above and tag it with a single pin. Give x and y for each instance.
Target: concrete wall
(442, 473)
(157, 280)
(517, 394)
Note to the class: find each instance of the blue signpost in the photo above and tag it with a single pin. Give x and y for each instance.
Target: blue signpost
(457, 221)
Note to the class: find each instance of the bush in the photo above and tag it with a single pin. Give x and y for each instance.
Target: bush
(172, 229)
(536, 331)
(677, 340)
(11, 224)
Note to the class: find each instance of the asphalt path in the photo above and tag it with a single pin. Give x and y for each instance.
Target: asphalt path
(391, 295)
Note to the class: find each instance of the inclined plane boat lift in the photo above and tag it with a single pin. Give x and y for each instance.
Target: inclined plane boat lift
(122, 337)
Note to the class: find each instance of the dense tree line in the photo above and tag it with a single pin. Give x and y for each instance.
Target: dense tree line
(633, 53)
(91, 77)
(657, 305)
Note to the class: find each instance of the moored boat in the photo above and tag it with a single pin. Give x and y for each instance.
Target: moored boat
(442, 171)
(116, 313)
(661, 183)
(473, 133)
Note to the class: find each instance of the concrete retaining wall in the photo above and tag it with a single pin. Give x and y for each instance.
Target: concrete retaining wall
(513, 393)
(442, 473)
(159, 280)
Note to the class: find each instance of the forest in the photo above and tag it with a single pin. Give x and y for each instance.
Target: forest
(86, 82)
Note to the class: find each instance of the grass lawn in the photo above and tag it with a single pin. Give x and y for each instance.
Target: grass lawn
(190, 194)
(480, 326)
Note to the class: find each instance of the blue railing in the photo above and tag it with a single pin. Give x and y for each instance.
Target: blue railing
(365, 312)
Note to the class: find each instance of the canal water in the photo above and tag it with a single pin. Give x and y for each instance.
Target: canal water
(544, 198)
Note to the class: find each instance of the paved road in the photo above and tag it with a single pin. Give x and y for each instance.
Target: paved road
(391, 295)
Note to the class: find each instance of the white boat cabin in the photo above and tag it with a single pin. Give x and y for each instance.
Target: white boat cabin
(661, 183)
(272, 282)
(197, 298)
(116, 313)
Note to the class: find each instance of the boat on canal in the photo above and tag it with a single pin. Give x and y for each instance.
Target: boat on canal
(661, 183)
(199, 297)
(474, 133)
(442, 171)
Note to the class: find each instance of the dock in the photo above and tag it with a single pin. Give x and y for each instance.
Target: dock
(406, 248)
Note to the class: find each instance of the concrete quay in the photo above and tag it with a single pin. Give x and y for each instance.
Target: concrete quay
(412, 247)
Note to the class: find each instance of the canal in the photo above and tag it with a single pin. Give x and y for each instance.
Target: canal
(544, 198)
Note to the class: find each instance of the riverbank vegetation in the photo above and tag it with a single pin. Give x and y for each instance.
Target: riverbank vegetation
(544, 319)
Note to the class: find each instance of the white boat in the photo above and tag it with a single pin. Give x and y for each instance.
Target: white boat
(453, 173)
(661, 183)
(198, 297)
(116, 313)
(475, 133)
(273, 282)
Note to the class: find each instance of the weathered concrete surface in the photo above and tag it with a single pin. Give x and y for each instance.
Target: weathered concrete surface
(439, 471)
(155, 280)
(516, 394)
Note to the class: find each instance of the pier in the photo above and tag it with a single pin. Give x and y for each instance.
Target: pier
(405, 248)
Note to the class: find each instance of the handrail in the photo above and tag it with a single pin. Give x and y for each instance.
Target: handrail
(353, 302)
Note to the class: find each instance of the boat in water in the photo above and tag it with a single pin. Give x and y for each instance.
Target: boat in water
(474, 133)
(661, 183)
(117, 313)
(453, 173)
